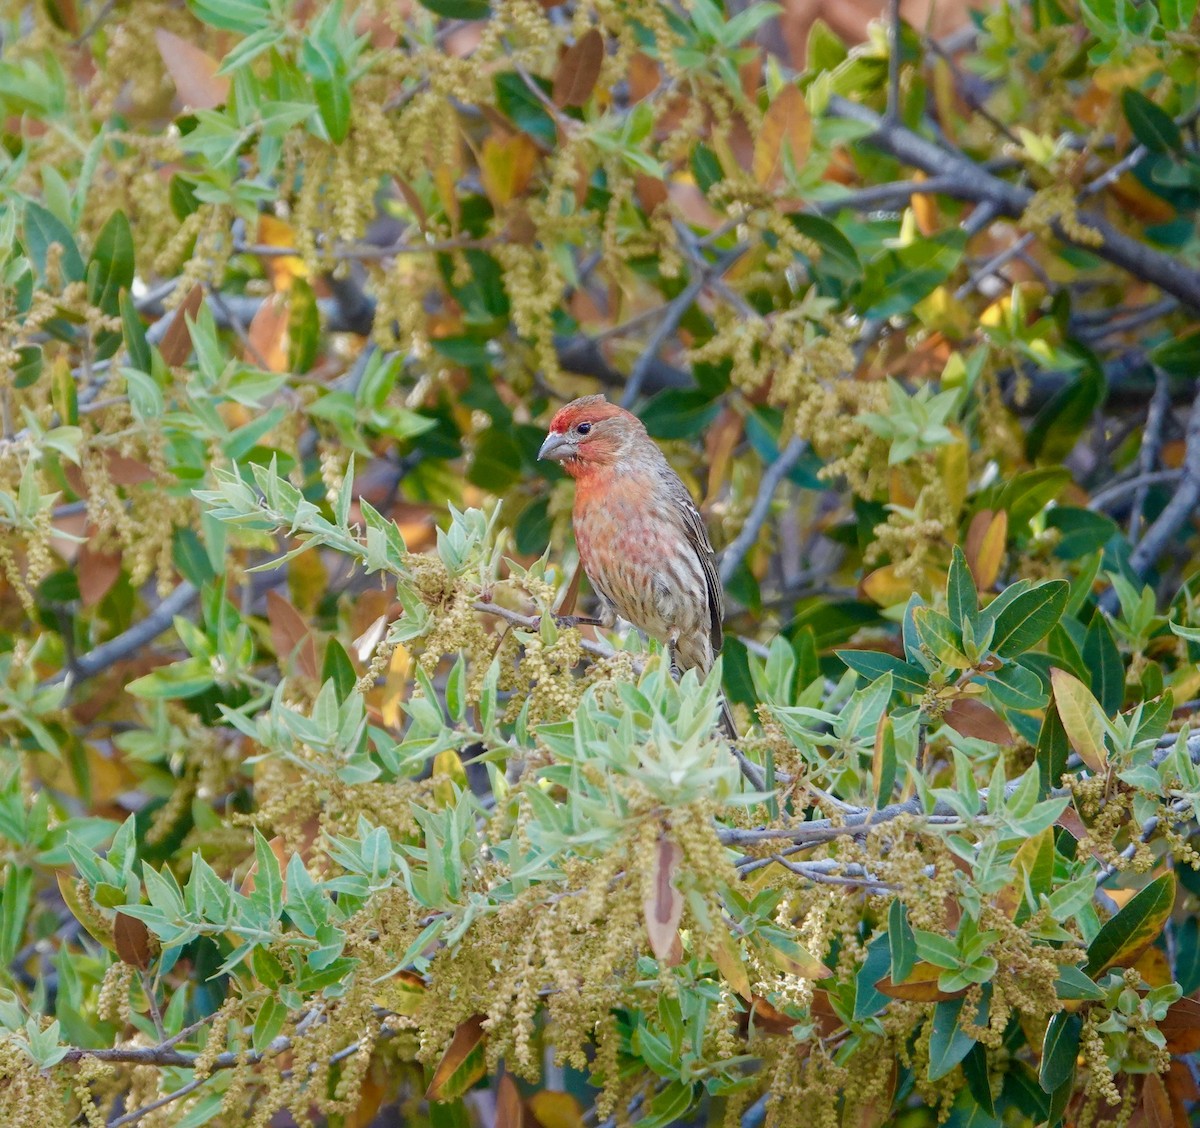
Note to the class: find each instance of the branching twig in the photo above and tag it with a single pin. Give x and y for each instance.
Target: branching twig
(971, 182)
(129, 642)
(735, 553)
(1152, 439)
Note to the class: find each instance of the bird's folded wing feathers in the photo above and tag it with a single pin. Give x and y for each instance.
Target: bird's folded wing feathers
(697, 535)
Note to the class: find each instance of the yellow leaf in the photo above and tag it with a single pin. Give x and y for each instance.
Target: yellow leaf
(449, 777)
(787, 125)
(1082, 717)
(921, 986)
(506, 166)
(728, 956)
(402, 994)
(985, 546)
(282, 269)
(556, 1110)
(885, 587)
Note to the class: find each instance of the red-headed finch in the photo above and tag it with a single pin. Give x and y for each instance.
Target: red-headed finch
(641, 538)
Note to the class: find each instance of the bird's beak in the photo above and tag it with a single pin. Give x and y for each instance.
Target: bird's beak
(556, 448)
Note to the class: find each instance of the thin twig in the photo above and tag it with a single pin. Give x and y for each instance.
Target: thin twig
(129, 642)
(774, 474)
(1176, 514)
(1148, 453)
(1119, 490)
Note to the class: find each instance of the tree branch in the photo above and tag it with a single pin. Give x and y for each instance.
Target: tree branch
(976, 184)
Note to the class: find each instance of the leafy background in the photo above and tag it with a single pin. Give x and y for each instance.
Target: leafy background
(310, 812)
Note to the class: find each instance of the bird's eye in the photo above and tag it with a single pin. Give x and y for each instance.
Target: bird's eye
(583, 428)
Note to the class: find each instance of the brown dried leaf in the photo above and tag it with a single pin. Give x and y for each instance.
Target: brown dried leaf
(462, 1064)
(765, 1017)
(97, 572)
(975, 719)
(126, 471)
(663, 907)
(510, 1112)
(193, 71)
(1156, 1105)
(290, 636)
(787, 123)
(133, 942)
(176, 344)
(644, 76)
(1181, 1027)
(579, 69)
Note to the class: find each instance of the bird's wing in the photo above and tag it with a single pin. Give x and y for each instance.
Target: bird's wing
(697, 536)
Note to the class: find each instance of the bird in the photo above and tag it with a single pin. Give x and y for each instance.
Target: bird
(641, 539)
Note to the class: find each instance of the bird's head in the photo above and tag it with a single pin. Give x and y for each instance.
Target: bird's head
(590, 433)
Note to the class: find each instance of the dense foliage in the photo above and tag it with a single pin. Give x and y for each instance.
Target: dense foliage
(311, 809)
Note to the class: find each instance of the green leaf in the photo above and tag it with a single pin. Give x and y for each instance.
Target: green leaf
(338, 668)
(1103, 660)
(524, 109)
(1053, 748)
(1151, 124)
(906, 676)
(245, 16)
(975, 1071)
(1024, 622)
(267, 894)
(326, 67)
(1125, 936)
(902, 941)
(110, 269)
(1073, 983)
(961, 597)
(458, 9)
(269, 1022)
(838, 258)
(42, 228)
(1179, 356)
(1060, 1048)
(948, 1043)
(941, 636)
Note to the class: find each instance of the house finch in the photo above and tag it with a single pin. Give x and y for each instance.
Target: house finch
(641, 538)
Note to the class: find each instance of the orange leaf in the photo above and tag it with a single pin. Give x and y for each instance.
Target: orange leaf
(193, 71)
(97, 572)
(506, 166)
(921, 986)
(462, 1064)
(985, 546)
(644, 76)
(176, 344)
(787, 124)
(267, 335)
(663, 906)
(510, 1112)
(975, 719)
(578, 70)
(768, 1018)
